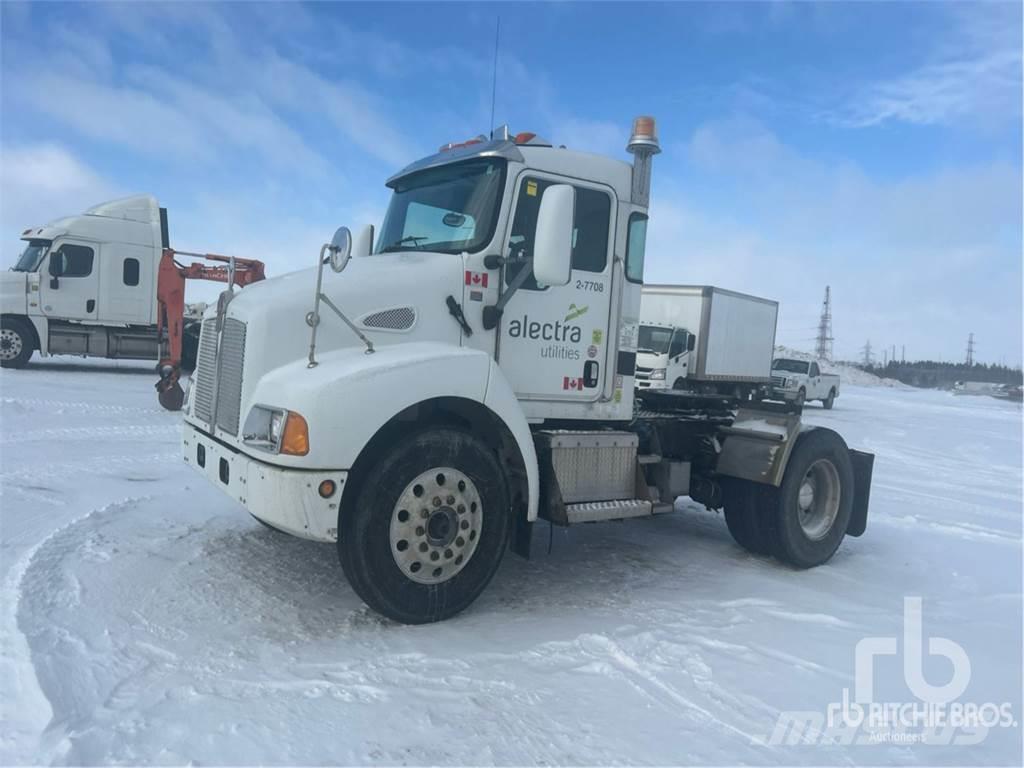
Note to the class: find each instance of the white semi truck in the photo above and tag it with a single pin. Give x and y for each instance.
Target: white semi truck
(705, 339)
(106, 283)
(425, 400)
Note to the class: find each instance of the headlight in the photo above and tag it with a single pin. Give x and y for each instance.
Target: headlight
(658, 373)
(276, 430)
(790, 382)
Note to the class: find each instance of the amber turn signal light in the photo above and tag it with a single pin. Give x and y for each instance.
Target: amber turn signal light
(295, 440)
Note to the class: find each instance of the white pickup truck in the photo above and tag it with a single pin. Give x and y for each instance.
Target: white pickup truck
(802, 380)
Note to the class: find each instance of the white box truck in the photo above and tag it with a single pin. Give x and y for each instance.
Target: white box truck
(705, 339)
(472, 372)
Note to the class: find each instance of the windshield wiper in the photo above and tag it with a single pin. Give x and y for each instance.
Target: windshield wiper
(407, 239)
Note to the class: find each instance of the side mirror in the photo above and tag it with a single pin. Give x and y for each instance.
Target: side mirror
(340, 249)
(691, 343)
(552, 249)
(56, 264)
(363, 245)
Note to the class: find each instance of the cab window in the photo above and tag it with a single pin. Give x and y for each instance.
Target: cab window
(815, 371)
(76, 260)
(678, 345)
(590, 228)
(636, 244)
(130, 272)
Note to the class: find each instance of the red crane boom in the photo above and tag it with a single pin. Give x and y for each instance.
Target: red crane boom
(170, 296)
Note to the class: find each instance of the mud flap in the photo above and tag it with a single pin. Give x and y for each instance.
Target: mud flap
(863, 464)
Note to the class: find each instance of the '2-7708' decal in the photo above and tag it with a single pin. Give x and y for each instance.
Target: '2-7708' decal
(589, 285)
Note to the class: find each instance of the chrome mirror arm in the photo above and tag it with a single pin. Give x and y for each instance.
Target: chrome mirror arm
(313, 318)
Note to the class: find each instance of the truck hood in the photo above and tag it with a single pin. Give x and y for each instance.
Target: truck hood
(651, 360)
(14, 293)
(392, 298)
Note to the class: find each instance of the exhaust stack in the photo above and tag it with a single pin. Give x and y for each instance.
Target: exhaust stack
(643, 145)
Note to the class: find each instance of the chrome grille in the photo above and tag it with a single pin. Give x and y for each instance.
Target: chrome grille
(779, 381)
(229, 378)
(205, 373)
(643, 373)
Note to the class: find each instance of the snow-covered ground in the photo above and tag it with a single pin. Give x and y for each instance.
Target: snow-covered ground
(148, 619)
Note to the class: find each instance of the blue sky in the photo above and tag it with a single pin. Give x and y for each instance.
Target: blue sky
(872, 147)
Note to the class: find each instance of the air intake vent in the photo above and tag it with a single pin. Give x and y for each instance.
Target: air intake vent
(397, 319)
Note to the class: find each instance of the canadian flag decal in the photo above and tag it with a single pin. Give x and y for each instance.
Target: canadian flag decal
(572, 382)
(476, 279)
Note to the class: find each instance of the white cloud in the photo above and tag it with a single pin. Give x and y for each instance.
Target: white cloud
(917, 261)
(40, 183)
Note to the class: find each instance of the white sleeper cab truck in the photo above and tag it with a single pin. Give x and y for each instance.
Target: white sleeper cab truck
(705, 339)
(423, 401)
(801, 381)
(107, 284)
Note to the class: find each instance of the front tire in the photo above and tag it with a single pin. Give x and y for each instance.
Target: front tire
(17, 342)
(427, 528)
(813, 505)
(801, 397)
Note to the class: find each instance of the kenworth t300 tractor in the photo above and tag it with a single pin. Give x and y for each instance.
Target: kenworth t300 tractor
(426, 397)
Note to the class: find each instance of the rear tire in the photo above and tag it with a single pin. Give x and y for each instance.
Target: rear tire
(17, 342)
(813, 505)
(427, 528)
(829, 401)
(748, 512)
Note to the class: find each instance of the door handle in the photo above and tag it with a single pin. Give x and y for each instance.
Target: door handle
(90, 305)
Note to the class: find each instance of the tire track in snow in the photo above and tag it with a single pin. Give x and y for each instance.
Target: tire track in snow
(19, 670)
(59, 406)
(126, 432)
(96, 465)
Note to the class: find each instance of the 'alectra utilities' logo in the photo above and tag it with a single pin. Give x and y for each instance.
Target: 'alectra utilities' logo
(563, 330)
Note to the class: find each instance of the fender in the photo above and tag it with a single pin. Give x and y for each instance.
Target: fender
(42, 326)
(350, 395)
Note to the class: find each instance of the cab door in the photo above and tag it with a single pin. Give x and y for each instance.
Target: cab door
(69, 281)
(554, 339)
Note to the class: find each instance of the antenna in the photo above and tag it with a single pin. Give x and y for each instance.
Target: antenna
(494, 76)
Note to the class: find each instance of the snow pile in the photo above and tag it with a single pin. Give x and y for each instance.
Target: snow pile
(147, 619)
(848, 374)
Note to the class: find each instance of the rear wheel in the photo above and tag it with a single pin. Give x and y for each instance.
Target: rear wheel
(428, 527)
(813, 505)
(829, 401)
(16, 342)
(748, 509)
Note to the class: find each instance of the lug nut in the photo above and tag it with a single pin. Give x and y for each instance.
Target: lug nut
(451, 499)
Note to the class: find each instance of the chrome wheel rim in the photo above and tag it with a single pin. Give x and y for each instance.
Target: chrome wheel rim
(818, 499)
(435, 525)
(10, 344)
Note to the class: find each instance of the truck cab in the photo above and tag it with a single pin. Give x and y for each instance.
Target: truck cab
(85, 285)
(423, 394)
(663, 356)
(801, 381)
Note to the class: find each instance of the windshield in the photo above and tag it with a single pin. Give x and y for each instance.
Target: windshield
(793, 366)
(654, 339)
(451, 209)
(31, 256)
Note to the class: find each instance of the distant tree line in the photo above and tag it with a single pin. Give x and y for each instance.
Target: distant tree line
(930, 373)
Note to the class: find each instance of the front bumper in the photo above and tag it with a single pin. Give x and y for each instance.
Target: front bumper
(785, 394)
(651, 383)
(286, 499)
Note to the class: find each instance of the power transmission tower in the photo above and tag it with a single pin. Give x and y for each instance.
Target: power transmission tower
(866, 351)
(903, 353)
(823, 348)
(970, 349)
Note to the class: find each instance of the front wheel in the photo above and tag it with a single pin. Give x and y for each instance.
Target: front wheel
(801, 397)
(16, 343)
(427, 528)
(813, 505)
